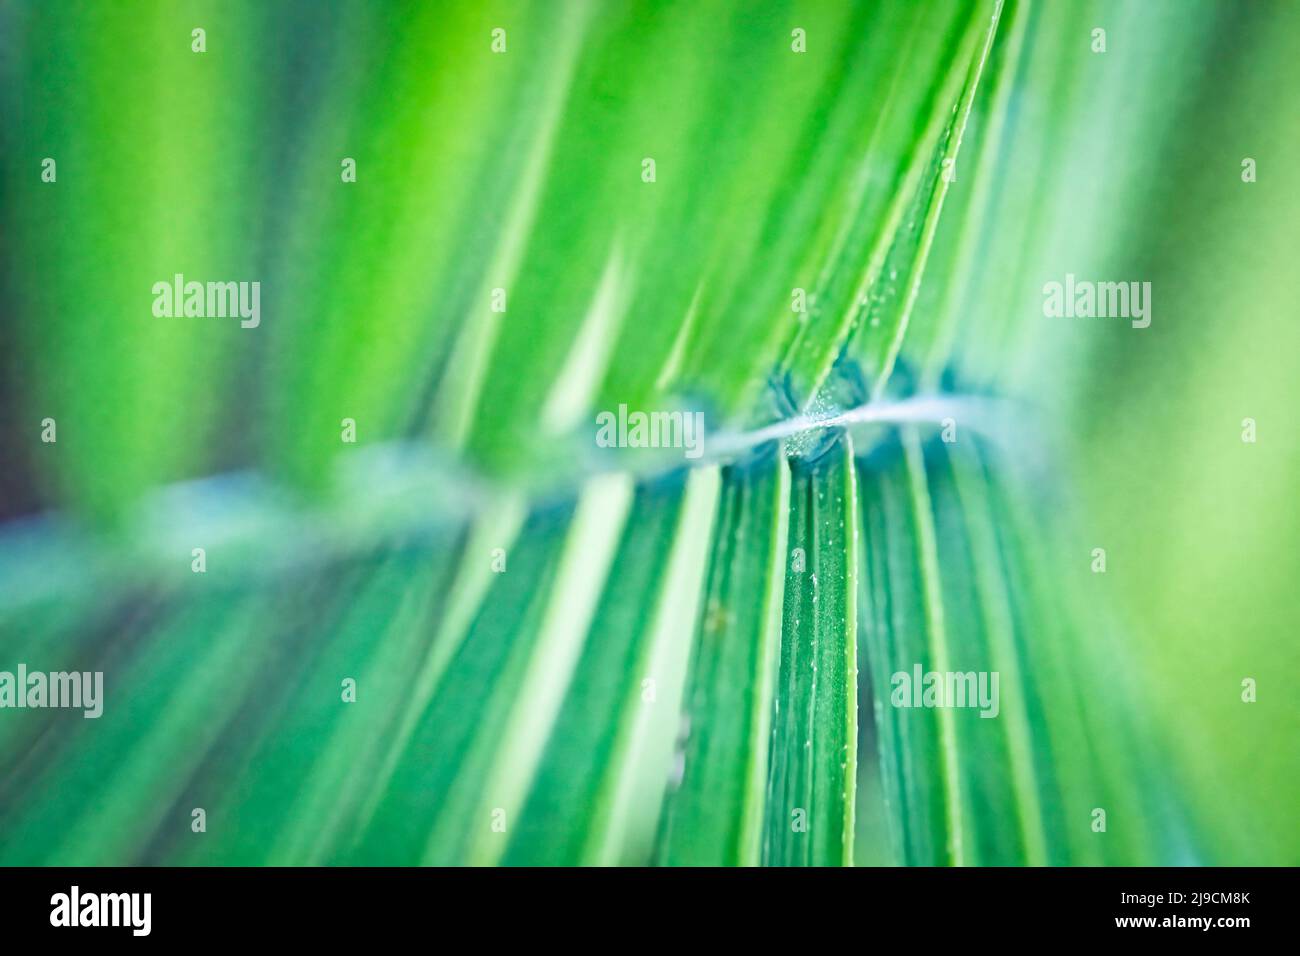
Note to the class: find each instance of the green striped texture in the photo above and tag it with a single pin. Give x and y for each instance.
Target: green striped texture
(565, 654)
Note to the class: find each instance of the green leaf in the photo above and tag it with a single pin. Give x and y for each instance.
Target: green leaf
(596, 795)
(650, 674)
(714, 814)
(439, 778)
(813, 777)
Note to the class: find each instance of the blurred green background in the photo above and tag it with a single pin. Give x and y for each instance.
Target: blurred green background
(523, 170)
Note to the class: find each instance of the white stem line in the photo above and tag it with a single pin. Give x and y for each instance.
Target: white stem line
(921, 408)
(244, 510)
